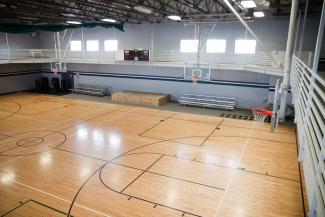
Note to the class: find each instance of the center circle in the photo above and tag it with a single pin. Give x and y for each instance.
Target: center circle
(30, 141)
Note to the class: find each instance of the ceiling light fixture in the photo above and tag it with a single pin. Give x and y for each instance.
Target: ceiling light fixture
(73, 22)
(174, 17)
(258, 14)
(109, 20)
(248, 4)
(143, 9)
(68, 15)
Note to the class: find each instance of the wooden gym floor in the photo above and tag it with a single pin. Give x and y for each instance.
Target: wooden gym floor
(62, 157)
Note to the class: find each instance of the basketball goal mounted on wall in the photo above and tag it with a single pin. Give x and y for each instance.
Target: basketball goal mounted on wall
(197, 72)
(58, 67)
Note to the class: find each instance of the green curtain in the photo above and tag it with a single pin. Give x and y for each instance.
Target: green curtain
(17, 28)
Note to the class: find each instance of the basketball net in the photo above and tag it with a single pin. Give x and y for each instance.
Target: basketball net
(195, 78)
(260, 114)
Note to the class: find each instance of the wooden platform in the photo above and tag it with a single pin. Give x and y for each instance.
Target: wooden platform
(61, 157)
(140, 98)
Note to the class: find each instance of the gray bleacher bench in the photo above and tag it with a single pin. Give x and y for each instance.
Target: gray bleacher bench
(204, 101)
(91, 90)
(36, 53)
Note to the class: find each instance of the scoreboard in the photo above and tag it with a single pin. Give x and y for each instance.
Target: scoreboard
(136, 55)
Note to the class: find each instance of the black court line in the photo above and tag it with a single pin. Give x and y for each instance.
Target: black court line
(228, 125)
(142, 173)
(37, 152)
(13, 113)
(100, 169)
(181, 158)
(83, 121)
(300, 178)
(181, 143)
(142, 113)
(196, 121)
(10, 211)
(266, 174)
(161, 121)
(172, 177)
(95, 158)
(217, 127)
(255, 138)
(218, 136)
(21, 142)
(37, 202)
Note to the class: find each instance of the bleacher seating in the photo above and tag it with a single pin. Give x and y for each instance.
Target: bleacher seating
(226, 103)
(36, 53)
(91, 90)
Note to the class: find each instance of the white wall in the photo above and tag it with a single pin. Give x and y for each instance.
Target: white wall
(272, 32)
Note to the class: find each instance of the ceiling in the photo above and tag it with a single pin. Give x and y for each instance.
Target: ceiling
(125, 11)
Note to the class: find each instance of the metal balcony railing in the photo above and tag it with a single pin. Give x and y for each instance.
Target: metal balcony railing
(308, 91)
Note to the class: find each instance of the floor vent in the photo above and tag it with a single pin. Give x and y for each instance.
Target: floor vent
(236, 116)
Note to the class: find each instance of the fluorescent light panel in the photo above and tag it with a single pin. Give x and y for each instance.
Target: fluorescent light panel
(73, 22)
(109, 20)
(248, 4)
(174, 17)
(258, 14)
(143, 9)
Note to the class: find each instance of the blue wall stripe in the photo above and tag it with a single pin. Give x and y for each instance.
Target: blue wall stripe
(150, 77)
(174, 79)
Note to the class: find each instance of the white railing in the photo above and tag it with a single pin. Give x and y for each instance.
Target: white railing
(259, 58)
(258, 62)
(308, 90)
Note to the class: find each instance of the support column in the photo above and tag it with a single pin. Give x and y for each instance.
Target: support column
(289, 51)
(8, 47)
(303, 28)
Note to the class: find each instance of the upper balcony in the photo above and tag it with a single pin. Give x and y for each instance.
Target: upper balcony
(259, 62)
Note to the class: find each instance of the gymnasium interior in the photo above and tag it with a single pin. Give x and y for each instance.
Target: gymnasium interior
(162, 108)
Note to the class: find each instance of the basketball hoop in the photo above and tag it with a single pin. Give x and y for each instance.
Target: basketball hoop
(195, 78)
(55, 70)
(260, 114)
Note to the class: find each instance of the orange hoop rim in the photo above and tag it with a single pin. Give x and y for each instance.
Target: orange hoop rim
(195, 78)
(262, 111)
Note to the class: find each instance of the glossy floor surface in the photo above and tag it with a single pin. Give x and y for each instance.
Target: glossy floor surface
(61, 157)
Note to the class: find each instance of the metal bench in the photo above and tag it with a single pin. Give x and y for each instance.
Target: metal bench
(91, 90)
(36, 53)
(204, 101)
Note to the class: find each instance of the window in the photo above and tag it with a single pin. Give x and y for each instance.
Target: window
(110, 45)
(92, 45)
(75, 45)
(245, 46)
(189, 46)
(216, 46)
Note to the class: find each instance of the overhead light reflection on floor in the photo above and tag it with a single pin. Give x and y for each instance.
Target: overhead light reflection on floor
(84, 171)
(46, 159)
(98, 135)
(82, 133)
(7, 177)
(115, 141)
